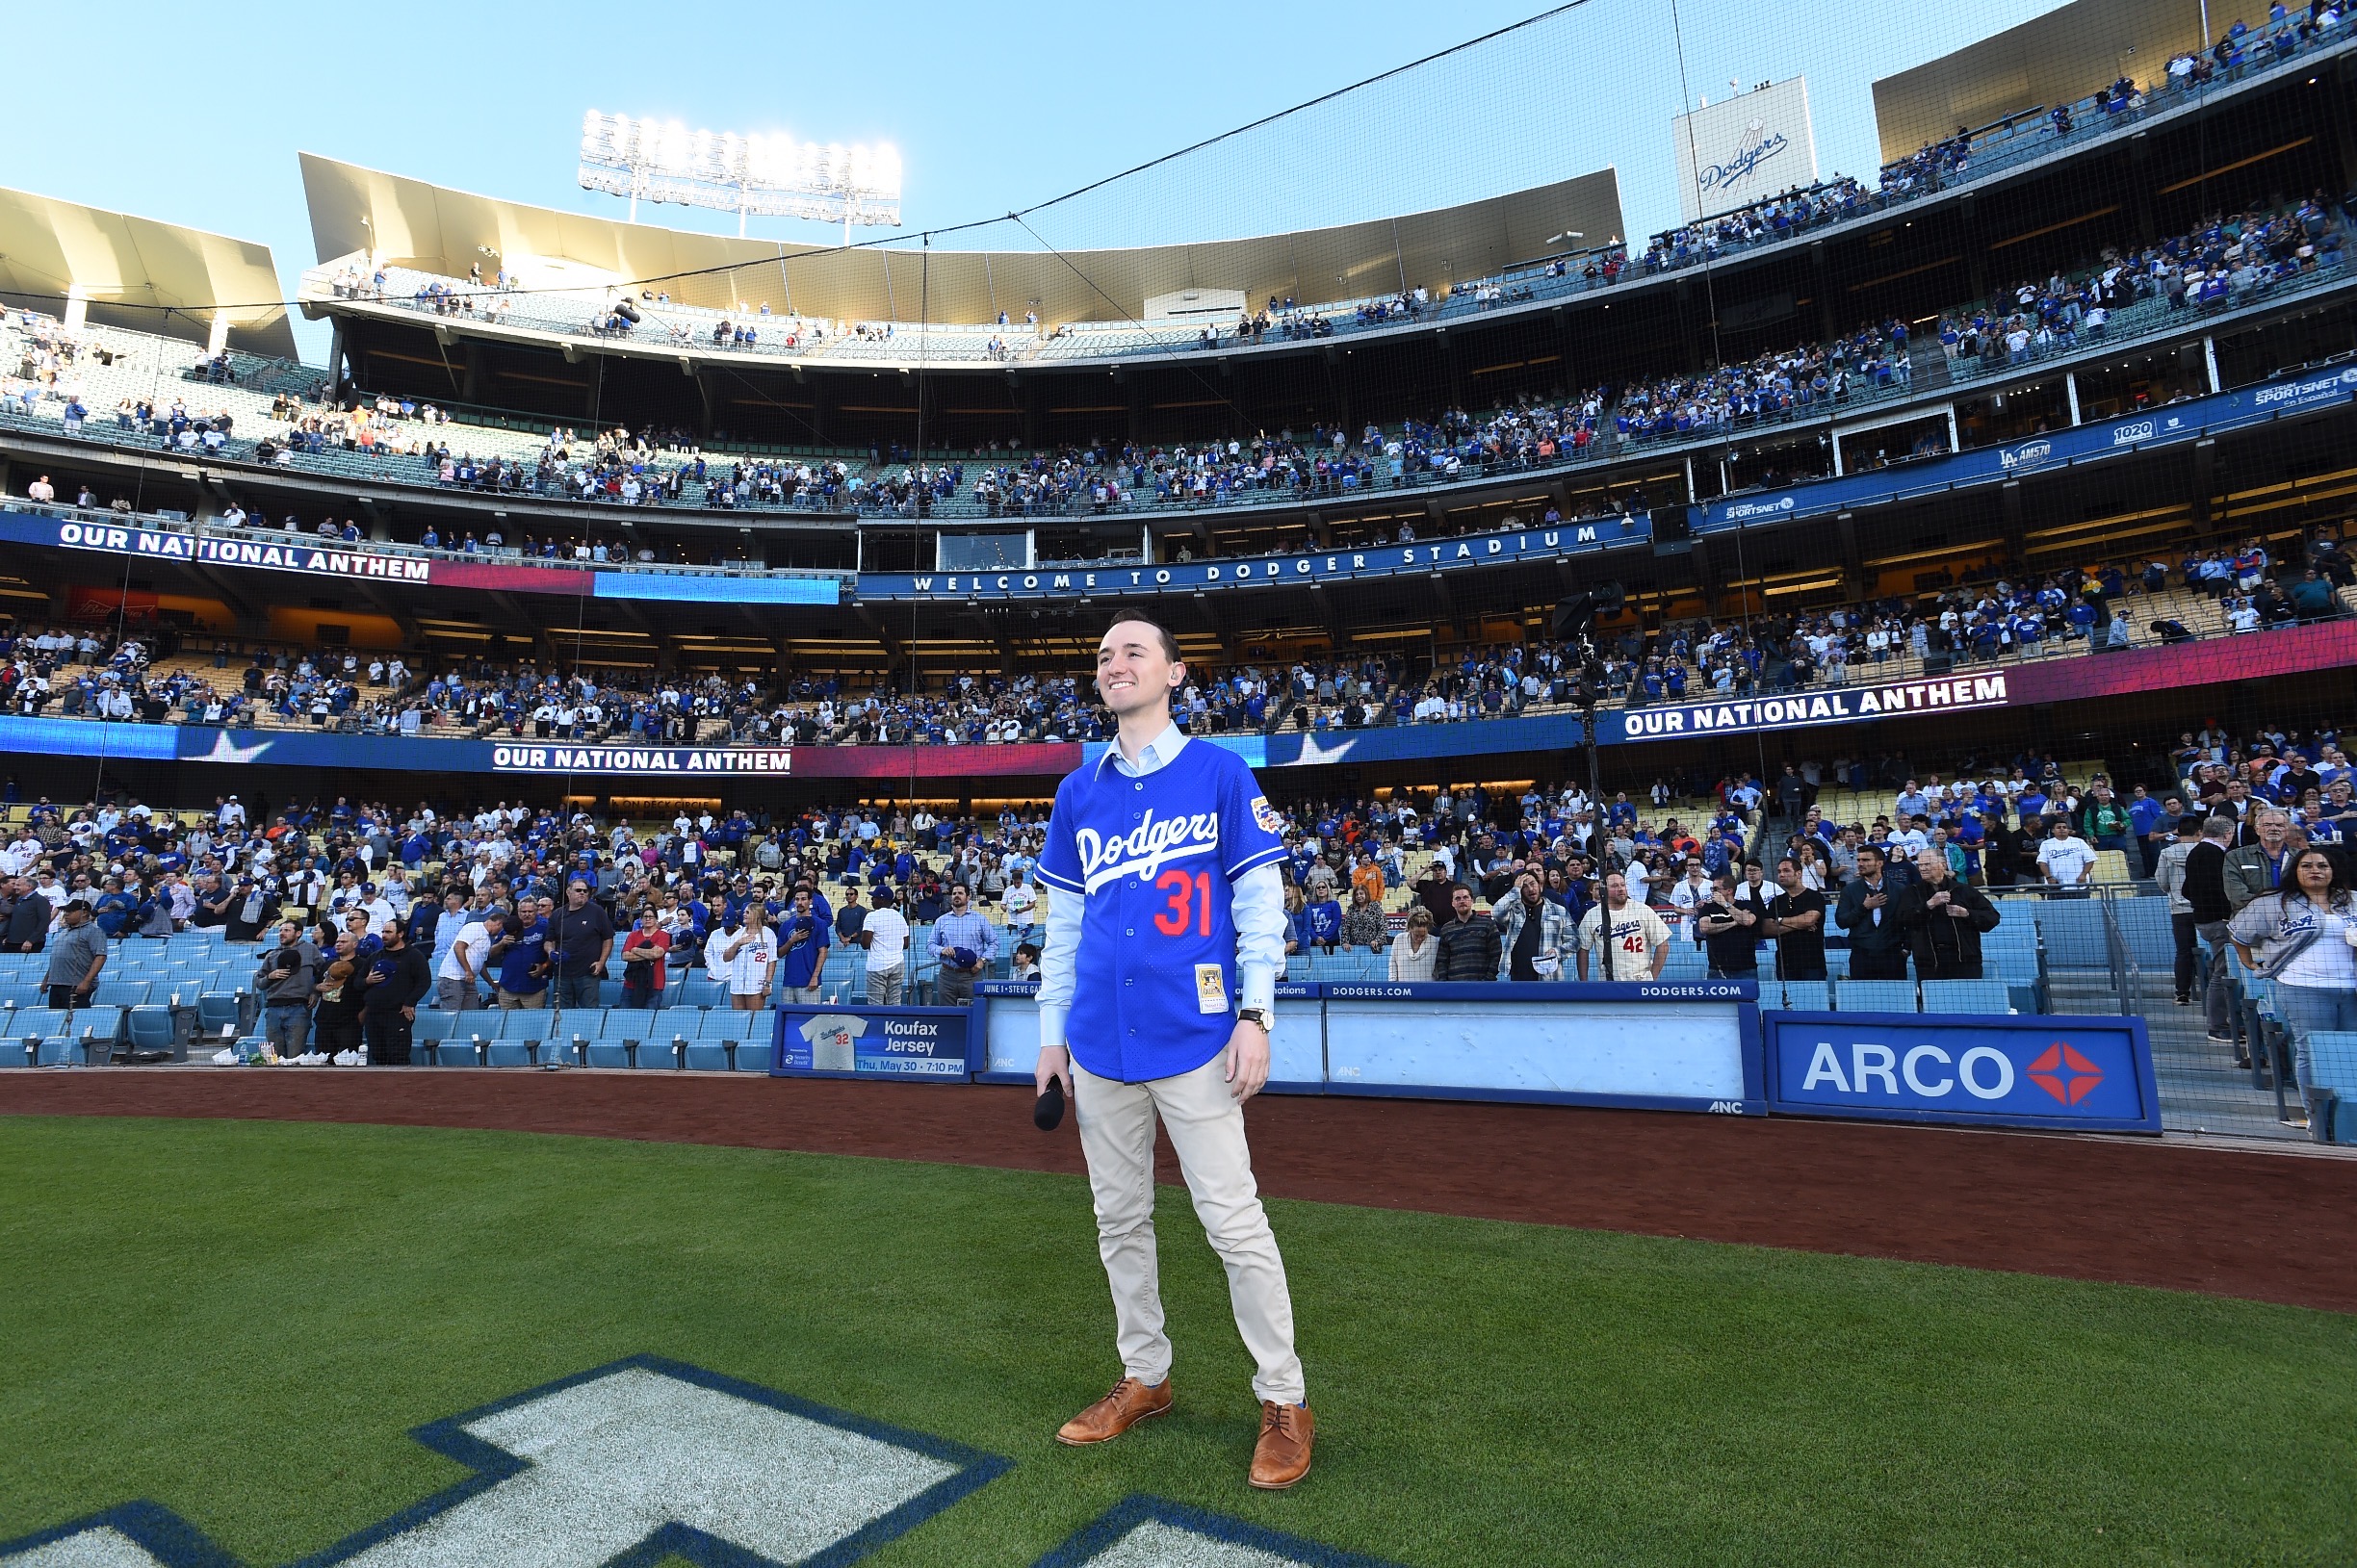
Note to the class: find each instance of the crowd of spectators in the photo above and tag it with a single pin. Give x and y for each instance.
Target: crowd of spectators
(1995, 614)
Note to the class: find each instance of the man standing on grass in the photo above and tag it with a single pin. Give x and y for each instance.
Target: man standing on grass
(1162, 855)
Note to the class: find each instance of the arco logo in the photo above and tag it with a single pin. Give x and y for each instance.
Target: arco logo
(644, 1460)
(2064, 1072)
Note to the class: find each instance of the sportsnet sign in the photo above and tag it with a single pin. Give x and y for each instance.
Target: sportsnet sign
(2086, 1075)
(1839, 705)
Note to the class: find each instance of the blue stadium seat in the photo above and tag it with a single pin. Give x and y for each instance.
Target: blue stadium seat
(216, 1008)
(1796, 996)
(121, 993)
(525, 1023)
(727, 1023)
(1837, 963)
(57, 1051)
(433, 1024)
(507, 1053)
(706, 1055)
(150, 1028)
(1874, 996)
(2332, 1065)
(454, 1053)
(565, 1048)
(610, 993)
(1963, 996)
(606, 1053)
(105, 1022)
(628, 1022)
(755, 1055)
(657, 1054)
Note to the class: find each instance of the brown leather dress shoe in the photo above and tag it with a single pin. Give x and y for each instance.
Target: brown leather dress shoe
(1129, 1402)
(1282, 1456)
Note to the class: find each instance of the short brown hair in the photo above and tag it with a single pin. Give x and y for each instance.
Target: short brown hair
(1170, 644)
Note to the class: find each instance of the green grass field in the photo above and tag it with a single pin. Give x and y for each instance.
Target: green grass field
(243, 1321)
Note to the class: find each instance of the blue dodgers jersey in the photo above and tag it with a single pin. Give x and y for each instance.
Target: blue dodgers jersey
(1155, 976)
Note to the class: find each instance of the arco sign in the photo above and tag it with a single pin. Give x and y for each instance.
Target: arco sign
(2091, 1075)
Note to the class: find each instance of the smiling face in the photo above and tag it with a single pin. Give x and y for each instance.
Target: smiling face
(1136, 669)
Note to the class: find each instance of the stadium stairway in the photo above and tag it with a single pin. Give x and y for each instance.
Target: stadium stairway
(2201, 1089)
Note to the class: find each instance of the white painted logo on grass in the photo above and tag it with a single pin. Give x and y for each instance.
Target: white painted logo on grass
(1158, 1545)
(643, 1455)
(100, 1547)
(1143, 1531)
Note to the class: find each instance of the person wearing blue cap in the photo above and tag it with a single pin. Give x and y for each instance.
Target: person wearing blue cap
(965, 944)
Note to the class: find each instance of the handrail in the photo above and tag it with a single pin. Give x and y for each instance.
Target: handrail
(2127, 976)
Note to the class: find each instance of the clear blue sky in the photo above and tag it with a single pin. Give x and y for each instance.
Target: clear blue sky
(194, 116)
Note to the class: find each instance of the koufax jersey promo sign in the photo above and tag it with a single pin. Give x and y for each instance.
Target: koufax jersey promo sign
(873, 1041)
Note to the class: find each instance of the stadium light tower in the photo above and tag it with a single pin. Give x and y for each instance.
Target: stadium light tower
(774, 176)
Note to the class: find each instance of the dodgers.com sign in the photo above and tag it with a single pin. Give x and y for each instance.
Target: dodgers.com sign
(2087, 1074)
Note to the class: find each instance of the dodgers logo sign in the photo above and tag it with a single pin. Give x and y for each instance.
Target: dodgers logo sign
(2091, 1075)
(1754, 147)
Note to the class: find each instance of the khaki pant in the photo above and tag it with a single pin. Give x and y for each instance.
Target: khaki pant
(1207, 1128)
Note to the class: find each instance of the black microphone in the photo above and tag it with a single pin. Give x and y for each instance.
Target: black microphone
(1049, 1114)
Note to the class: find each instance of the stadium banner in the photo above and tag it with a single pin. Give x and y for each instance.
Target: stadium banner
(415, 754)
(1666, 1045)
(1749, 146)
(1321, 748)
(324, 559)
(690, 588)
(1010, 1035)
(1421, 557)
(2177, 423)
(336, 559)
(540, 757)
(859, 1042)
(2254, 655)
(2081, 1074)
(1661, 1045)
(1800, 709)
